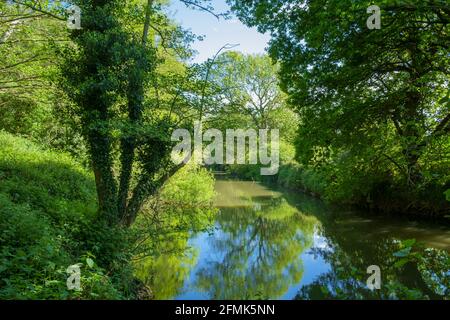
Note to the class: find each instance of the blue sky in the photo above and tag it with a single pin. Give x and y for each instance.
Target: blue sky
(217, 33)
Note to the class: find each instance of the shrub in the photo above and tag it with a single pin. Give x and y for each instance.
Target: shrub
(48, 222)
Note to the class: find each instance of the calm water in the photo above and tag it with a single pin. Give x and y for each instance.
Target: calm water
(272, 244)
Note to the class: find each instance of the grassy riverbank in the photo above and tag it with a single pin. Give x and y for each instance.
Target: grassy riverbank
(49, 221)
(379, 194)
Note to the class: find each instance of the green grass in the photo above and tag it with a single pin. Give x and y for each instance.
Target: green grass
(47, 223)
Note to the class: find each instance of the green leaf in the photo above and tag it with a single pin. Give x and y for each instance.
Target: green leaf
(447, 195)
(409, 242)
(90, 262)
(400, 263)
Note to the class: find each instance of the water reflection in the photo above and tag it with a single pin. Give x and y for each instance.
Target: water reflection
(260, 250)
(165, 275)
(355, 242)
(270, 244)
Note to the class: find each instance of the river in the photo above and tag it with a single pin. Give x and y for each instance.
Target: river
(269, 243)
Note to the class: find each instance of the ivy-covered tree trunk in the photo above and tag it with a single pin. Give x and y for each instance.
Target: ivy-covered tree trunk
(92, 79)
(106, 74)
(100, 148)
(128, 143)
(135, 96)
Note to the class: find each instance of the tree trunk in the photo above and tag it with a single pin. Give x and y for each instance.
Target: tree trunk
(104, 178)
(135, 97)
(414, 137)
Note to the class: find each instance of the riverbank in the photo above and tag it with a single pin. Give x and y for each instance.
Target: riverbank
(189, 232)
(49, 222)
(381, 197)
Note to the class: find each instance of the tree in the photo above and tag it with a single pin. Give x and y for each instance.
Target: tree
(249, 86)
(111, 73)
(28, 99)
(352, 85)
(114, 77)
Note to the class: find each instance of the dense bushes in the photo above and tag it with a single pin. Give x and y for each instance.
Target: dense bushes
(48, 222)
(361, 184)
(358, 188)
(291, 175)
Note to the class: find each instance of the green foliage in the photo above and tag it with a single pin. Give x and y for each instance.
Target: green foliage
(191, 185)
(247, 95)
(182, 208)
(291, 175)
(20, 116)
(432, 265)
(447, 195)
(372, 103)
(183, 205)
(30, 104)
(312, 181)
(45, 180)
(48, 210)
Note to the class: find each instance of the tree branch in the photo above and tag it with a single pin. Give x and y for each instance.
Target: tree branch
(39, 10)
(201, 7)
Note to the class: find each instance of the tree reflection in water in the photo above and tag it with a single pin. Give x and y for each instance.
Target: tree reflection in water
(261, 238)
(260, 246)
(356, 243)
